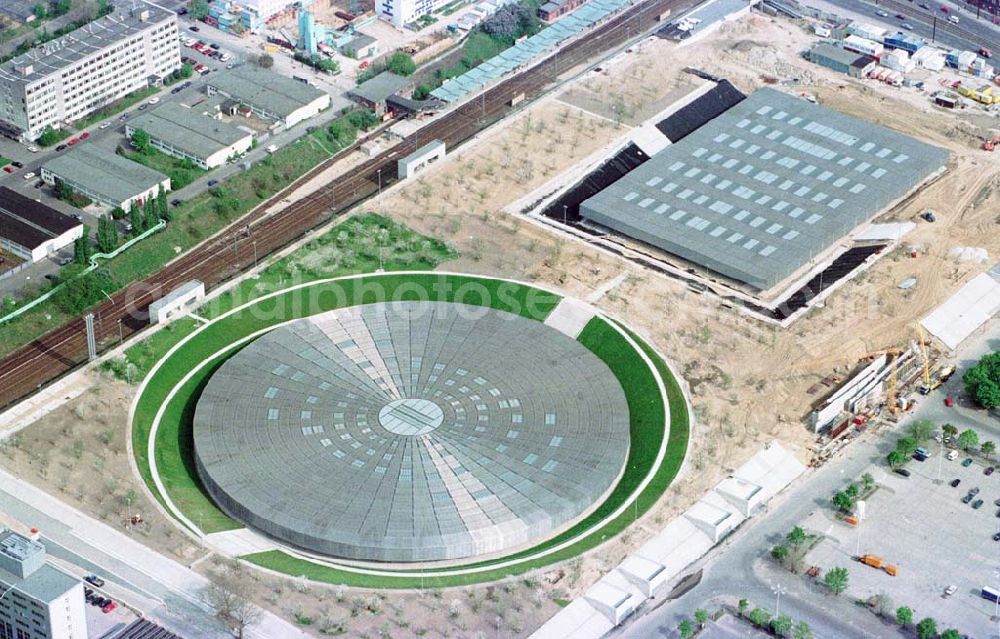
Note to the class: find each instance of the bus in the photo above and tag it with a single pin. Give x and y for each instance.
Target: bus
(990, 594)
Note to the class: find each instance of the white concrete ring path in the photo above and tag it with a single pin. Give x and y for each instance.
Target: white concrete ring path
(179, 516)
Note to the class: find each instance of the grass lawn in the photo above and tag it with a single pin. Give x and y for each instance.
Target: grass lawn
(181, 172)
(645, 408)
(3, 161)
(115, 108)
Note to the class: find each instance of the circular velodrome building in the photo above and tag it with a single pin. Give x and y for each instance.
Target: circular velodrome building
(411, 431)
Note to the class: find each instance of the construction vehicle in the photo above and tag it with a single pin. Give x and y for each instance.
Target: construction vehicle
(879, 564)
(990, 144)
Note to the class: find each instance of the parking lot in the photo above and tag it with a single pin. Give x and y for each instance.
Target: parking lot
(922, 526)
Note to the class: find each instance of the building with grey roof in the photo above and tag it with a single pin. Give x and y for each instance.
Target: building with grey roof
(105, 177)
(411, 431)
(72, 76)
(189, 134)
(759, 192)
(270, 96)
(373, 93)
(833, 56)
(39, 601)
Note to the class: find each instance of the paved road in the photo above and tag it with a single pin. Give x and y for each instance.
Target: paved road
(736, 569)
(164, 590)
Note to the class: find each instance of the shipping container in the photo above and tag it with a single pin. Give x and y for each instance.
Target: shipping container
(863, 45)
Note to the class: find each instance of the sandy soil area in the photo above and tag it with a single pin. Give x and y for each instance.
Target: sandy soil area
(747, 380)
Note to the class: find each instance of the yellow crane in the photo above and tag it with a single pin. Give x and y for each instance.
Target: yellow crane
(926, 387)
(890, 394)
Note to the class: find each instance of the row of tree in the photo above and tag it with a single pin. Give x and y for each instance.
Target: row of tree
(142, 218)
(782, 625)
(845, 499)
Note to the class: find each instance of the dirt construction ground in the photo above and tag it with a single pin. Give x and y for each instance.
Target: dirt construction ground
(747, 381)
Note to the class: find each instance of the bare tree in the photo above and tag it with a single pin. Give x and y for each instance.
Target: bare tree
(232, 597)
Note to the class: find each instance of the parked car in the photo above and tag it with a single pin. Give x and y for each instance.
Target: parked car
(214, 46)
(953, 19)
(967, 462)
(986, 53)
(29, 175)
(19, 165)
(39, 184)
(194, 28)
(996, 536)
(956, 482)
(154, 100)
(73, 141)
(944, 9)
(108, 607)
(104, 125)
(950, 590)
(907, 26)
(976, 505)
(902, 471)
(881, 14)
(900, 16)
(143, 106)
(84, 135)
(9, 168)
(213, 182)
(974, 491)
(928, 216)
(94, 580)
(175, 202)
(952, 455)
(949, 402)
(62, 147)
(33, 149)
(64, 260)
(967, 499)
(989, 470)
(123, 118)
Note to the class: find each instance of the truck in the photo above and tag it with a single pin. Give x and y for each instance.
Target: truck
(879, 564)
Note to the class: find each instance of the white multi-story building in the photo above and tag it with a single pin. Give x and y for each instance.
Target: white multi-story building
(38, 601)
(402, 12)
(70, 77)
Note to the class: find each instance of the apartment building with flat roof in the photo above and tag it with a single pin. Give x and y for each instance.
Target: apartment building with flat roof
(72, 76)
(39, 601)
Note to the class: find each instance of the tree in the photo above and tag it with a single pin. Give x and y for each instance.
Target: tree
(759, 617)
(802, 631)
(104, 8)
(162, 208)
(982, 381)
(231, 595)
(922, 429)
(186, 70)
(904, 616)
(701, 616)
(949, 430)
(907, 445)
(140, 140)
(402, 64)
(82, 290)
(796, 537)
(199, 9)
(422, 92)
(951, 633)
(882, 604)
(81, 248)
(843, 501)
(265, 61)
(150, 213)
(50, 136)
(867, 482)
(968, 439)
(39, 11)
(988, 448)
(895, 459)
(927, 628)
(742, 606)
(780, 552)
(686, 628)
(782, 625)
(135, 219)
(107, 234)
(836, 580)
(118, 213)
(61, 7)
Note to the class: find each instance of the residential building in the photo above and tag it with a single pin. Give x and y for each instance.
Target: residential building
(268, 95)
(105, 177)
(403, 12)
(31, 230)
(72, 76)
(186, 133)
(39, 601)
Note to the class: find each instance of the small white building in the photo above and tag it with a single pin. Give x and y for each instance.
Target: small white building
(427, 154)
(176, 302)
(867, 31)
(930, 58)
(863, 45)
(898, 60)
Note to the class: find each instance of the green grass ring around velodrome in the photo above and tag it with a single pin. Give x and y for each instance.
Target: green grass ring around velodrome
(165, 403)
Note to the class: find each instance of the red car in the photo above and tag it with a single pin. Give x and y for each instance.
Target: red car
(73, 141)
(108, 607)
(944, 9)
(986, 53)
(84, 135)
(9, 168)
(949, 402)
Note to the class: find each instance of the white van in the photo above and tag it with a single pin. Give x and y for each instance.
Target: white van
(952, 455)
(953, 19)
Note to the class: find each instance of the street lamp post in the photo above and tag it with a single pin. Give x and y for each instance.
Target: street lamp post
(778, 591)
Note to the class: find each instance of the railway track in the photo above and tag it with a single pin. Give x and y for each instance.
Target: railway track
(223, 257)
